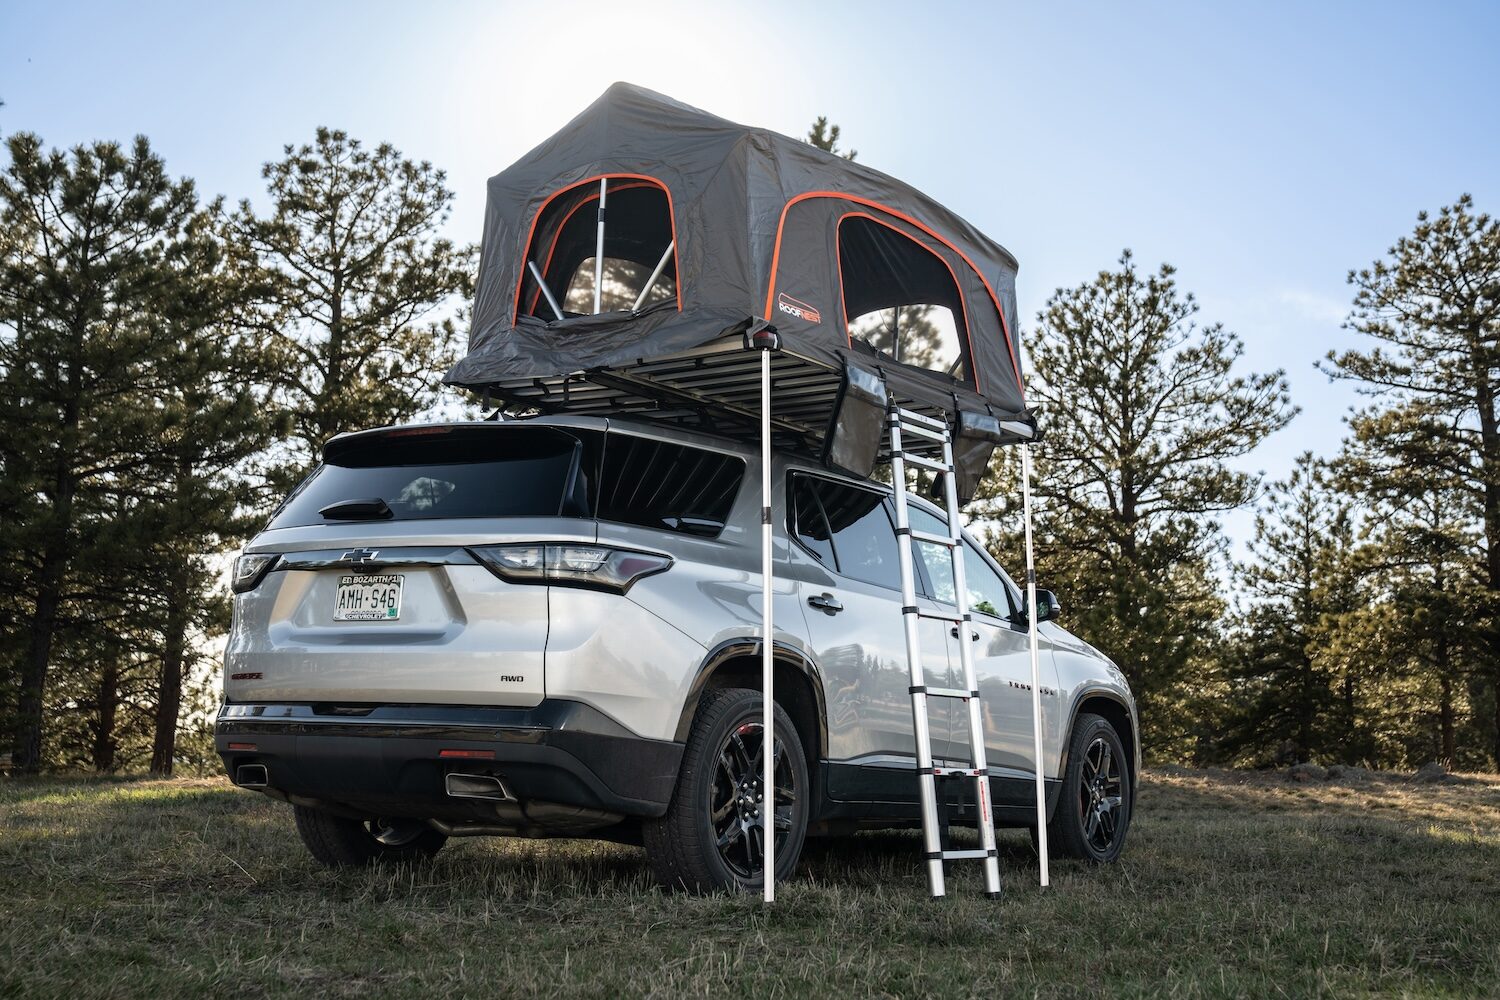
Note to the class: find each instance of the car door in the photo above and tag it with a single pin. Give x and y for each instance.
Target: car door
(855, 626)
(1001, 649)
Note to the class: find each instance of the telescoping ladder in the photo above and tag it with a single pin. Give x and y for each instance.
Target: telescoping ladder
(905, 422)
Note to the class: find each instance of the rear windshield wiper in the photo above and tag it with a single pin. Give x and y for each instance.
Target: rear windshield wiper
(367, 509)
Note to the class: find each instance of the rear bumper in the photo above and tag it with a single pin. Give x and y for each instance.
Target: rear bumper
(569, 767)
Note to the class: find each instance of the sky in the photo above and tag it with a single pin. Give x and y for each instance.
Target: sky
(1262, 149)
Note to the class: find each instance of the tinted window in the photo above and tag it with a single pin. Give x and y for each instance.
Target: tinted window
(448, 472)
(864, 542)
(811, 525)
(658, 484)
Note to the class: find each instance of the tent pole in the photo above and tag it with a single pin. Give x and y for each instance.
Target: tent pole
(767, 681)
(599, 248)
(1036, 671)
(661, 266)
(541, 281)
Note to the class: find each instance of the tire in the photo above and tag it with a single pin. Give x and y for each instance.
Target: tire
(683, 846)
(1093, 814)
(337, 842)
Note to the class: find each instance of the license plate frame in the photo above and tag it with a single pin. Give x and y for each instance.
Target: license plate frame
(368, 597)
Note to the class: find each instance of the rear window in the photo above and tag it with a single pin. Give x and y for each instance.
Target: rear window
(452, 473)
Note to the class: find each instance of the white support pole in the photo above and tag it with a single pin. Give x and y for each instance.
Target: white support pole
(767, 680)
(1036, 670)
(599, 248)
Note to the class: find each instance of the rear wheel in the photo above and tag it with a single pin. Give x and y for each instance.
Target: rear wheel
(712, 835)
(339, 842)
(1093, 812)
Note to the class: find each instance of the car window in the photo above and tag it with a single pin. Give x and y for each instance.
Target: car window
(987, 592)
(864, 541)
(809, 523)
(660, 484)
(450, 471)
(934, 559)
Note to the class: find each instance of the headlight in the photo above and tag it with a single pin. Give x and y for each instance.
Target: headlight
(250, 569)
(571, 565)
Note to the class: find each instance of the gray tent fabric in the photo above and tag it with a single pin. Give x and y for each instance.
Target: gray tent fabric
(757, 219)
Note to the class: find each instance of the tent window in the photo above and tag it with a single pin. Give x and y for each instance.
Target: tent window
(623, 282)
(901, 299)
(638, 239)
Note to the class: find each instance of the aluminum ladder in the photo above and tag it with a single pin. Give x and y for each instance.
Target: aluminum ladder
(902, 422)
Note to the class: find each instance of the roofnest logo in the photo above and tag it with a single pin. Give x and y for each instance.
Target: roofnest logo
(801, 310)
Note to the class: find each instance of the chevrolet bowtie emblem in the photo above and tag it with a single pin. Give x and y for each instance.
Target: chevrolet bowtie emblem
(359, 555)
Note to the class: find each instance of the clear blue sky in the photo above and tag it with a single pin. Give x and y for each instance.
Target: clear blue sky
(1264, 149)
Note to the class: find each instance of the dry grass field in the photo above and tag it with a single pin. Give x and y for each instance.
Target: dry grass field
(1233, 885)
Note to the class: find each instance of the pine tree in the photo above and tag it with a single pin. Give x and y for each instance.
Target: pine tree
(1142, 410)
(1291, 701)
(1427, 622)
(354, 281)
(104, 269)
(826, 137)
(1433, 308)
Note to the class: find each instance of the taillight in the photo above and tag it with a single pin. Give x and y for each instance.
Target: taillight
(250, 569)
(594, 566)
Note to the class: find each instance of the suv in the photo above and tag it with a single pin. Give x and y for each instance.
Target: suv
(549, 628)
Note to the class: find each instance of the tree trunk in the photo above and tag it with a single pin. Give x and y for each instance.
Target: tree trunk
(169, 692)
(26, 755)
(108, 712)
(1489, 437)
(1354, 746)
(1448, 747)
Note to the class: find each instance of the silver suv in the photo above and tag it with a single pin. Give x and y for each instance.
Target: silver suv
(549, 628)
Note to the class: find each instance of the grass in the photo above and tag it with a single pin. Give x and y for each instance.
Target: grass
(1233, 885)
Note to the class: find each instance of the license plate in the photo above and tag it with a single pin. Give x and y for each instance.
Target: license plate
(368, 598)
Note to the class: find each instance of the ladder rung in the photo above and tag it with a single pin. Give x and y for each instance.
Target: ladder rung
(977, 854)
(920, 419)
(923, 463)
(933, 692)
(927, 536)
(938, 771)
(924, 432)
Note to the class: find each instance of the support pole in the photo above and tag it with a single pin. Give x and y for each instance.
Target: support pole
(1036, 670)
(767, 680)
(536, 273)
(661, 266)
(599, 248)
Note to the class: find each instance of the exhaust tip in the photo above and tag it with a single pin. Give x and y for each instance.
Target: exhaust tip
(251, 776)
(477, 786)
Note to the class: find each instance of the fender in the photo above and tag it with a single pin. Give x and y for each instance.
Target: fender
(745, 647)
(1109, 694)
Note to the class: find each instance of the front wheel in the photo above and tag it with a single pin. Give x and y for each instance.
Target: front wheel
(1093, 812)
(712, 836)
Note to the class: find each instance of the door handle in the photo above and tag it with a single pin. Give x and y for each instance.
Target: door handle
(826, 603)
(974, 636)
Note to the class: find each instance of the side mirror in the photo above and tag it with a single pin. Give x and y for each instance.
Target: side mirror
(1047, 605)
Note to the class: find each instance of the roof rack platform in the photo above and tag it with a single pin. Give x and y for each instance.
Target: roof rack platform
(711, 389)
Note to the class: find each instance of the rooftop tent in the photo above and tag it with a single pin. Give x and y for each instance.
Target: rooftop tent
(712, 227)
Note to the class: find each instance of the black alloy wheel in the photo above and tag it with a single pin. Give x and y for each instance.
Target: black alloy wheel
(1093, 814)
(713, 836)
